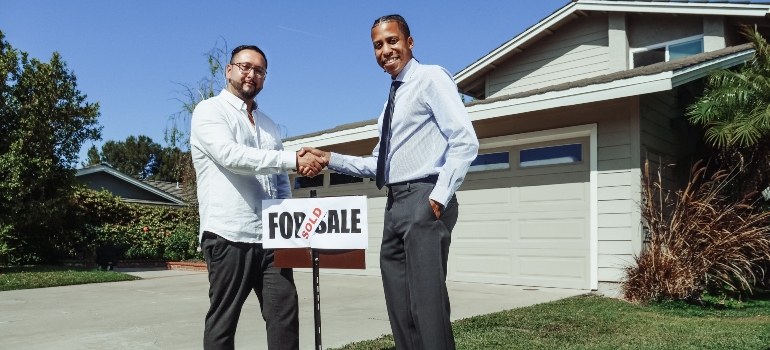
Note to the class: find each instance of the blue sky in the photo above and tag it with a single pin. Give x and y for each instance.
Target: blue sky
(129, 55)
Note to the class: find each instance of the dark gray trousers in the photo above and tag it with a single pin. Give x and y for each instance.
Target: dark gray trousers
(235, 269)
(413, 262)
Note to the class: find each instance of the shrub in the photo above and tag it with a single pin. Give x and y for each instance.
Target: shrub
(96, 219)
(182, 244)
(698, 238)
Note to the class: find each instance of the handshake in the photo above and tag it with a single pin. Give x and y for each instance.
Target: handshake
(310, 161)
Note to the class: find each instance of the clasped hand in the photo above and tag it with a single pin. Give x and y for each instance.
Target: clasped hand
(310, 161)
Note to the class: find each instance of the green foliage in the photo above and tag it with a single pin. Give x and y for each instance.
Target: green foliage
(133, 156)
(97, 218)
(735, 107)
(93, 157)
(26, 277)
(44, 120)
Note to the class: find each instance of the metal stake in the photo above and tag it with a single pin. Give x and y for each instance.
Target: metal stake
(316, 292)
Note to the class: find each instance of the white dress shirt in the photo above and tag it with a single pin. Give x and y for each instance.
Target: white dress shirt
(431, 133)
(237, 166)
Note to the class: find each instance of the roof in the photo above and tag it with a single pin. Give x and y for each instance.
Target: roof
(641, 80)
(471, 78)
(160, 188)
(656, 68)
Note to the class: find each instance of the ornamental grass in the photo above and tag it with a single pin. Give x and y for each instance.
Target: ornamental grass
(697, 238)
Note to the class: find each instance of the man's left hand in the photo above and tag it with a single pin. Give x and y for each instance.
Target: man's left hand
(436, 208)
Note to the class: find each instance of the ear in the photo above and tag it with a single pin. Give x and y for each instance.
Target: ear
(228, 70)
(410, 42)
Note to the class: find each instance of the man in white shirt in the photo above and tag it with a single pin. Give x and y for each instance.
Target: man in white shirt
(239, 161)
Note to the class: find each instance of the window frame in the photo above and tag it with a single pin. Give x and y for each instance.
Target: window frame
(665, 45)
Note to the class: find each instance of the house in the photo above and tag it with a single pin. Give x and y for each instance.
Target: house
(566, 113)
(131, 190)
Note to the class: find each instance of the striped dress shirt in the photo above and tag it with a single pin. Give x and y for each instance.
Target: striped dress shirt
(431, 134)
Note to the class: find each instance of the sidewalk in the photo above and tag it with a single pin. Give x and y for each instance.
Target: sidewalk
(165, 310)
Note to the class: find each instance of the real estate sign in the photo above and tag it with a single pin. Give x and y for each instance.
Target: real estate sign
(322, 223)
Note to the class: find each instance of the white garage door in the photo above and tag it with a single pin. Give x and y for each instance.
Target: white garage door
(527, 224)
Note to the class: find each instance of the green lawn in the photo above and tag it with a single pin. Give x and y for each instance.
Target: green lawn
(26, 277)
(588, 322)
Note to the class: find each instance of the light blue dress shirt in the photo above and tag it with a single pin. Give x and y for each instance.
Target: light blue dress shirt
(431, 134)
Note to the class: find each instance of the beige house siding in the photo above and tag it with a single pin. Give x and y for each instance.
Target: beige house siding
(650, 29)
(576, 51)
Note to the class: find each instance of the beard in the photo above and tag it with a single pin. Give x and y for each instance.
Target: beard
(243, 93)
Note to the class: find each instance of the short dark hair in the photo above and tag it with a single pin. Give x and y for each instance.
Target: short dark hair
(402, 26)
(247, 47)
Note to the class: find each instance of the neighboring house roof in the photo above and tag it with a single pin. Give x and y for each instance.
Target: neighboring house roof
(472, 77)
(642, 80)
(161, 190)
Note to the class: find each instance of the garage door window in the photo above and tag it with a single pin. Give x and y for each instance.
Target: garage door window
(490, 161)
(308, 182)
(342, 179)
(561, 154)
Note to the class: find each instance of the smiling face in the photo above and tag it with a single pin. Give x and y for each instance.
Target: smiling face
(246, 85)
(391, 48)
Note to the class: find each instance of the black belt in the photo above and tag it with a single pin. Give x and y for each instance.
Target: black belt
(430, 179)
(209, 235)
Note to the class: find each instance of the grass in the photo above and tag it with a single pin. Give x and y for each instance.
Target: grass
(26, 277)
(588, 322)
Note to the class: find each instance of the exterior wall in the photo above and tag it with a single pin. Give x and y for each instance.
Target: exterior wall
(650, 29)
(576, 51)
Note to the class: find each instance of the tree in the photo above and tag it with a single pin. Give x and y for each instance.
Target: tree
(137, 156)
(93, 157)
(177, 134)
(44, 120)
(735, 107)
(735, 114)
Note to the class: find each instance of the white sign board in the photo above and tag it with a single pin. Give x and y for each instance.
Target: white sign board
(323, 223)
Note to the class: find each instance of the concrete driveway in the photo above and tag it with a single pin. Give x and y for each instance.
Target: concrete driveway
(165, 310)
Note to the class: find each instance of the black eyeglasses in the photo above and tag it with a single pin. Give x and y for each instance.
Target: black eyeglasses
(246, 69)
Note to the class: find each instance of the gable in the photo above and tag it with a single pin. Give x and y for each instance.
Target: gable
(575, 51)
(591, 38)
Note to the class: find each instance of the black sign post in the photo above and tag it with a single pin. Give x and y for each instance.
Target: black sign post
(316, 292)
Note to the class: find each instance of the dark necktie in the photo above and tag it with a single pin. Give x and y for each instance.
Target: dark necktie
(385, 136)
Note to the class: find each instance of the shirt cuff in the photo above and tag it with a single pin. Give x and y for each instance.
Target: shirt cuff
(289, 160)
(335, 161)
(441, 195)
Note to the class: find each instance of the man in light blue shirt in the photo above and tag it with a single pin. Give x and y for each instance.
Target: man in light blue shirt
(427, 143)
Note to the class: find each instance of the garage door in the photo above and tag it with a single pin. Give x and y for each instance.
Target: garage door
(524, 217)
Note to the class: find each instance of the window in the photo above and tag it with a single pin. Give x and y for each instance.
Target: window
(341, 179)
(666, 51)
(490, 161)
(561, 154)
(308, 182)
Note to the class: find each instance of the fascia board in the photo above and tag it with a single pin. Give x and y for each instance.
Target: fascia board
(689, 8)
(504, 49)
(698, 71)
(334, 138)
(593, 93)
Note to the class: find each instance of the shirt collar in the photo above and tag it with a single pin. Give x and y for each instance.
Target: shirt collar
(235, 101)
(408, 70)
